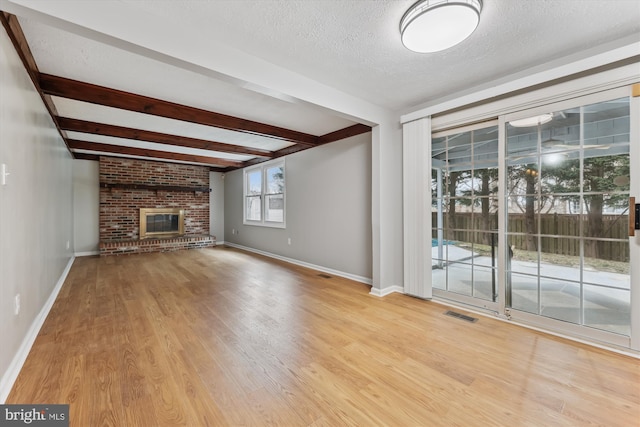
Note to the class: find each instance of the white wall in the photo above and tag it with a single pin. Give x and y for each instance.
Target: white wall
(36, 208)
(216, 205)
(328, 204)
(386, 178)
(86, 207)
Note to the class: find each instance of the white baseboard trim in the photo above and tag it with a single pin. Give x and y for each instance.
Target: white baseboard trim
(220, 242)
(10, 376)
(386, 291)
(327, 270)
(87, 253)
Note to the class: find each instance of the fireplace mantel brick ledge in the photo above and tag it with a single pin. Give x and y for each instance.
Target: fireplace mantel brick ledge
(125, 247)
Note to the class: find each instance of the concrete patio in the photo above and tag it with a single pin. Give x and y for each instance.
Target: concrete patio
(606, 295)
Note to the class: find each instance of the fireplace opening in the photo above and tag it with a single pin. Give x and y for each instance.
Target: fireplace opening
(161, 223)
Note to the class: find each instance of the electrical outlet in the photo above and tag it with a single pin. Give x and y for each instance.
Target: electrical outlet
(233, 231)
(16, 305)
(289, 241)
(68, 245)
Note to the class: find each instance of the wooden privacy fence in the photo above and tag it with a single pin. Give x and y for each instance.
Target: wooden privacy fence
(566, 227)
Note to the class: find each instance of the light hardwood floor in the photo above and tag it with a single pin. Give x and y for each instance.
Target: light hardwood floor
(222, 337)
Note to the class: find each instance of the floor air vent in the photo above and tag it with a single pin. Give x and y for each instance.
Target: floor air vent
(324, 276)
(461, 316)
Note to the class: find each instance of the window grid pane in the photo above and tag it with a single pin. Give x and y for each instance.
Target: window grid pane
(253, 208)
(265, 195)
(254, 183)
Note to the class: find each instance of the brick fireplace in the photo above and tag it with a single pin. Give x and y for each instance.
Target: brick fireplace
(129, 185)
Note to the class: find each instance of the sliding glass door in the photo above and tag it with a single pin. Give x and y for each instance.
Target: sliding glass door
(567, 203)
(530, 217)
(465, 213)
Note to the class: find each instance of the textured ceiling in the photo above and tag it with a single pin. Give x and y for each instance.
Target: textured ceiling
(355, 45)
(61, 53)
(350, 47)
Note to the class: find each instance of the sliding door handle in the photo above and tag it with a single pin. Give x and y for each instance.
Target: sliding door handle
(632, 216)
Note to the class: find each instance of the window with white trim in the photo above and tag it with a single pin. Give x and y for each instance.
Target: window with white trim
(264, 194)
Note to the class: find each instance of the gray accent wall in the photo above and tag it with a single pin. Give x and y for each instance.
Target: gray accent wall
(328, 209)
(36, 208)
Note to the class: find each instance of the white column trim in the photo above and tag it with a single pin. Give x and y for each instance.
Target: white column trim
(416, 175)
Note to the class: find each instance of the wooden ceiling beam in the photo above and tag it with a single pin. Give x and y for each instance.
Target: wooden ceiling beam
(156, 154)
(347, 132)
(19, 41)
(48, 85)
(81, 91)
(14, 31)
(94, 128)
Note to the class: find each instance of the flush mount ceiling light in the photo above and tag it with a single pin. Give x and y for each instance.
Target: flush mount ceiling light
(435, 25)
(532, 121)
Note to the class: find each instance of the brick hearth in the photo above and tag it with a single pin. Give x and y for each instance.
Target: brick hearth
(156, 245)
(120, 207)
